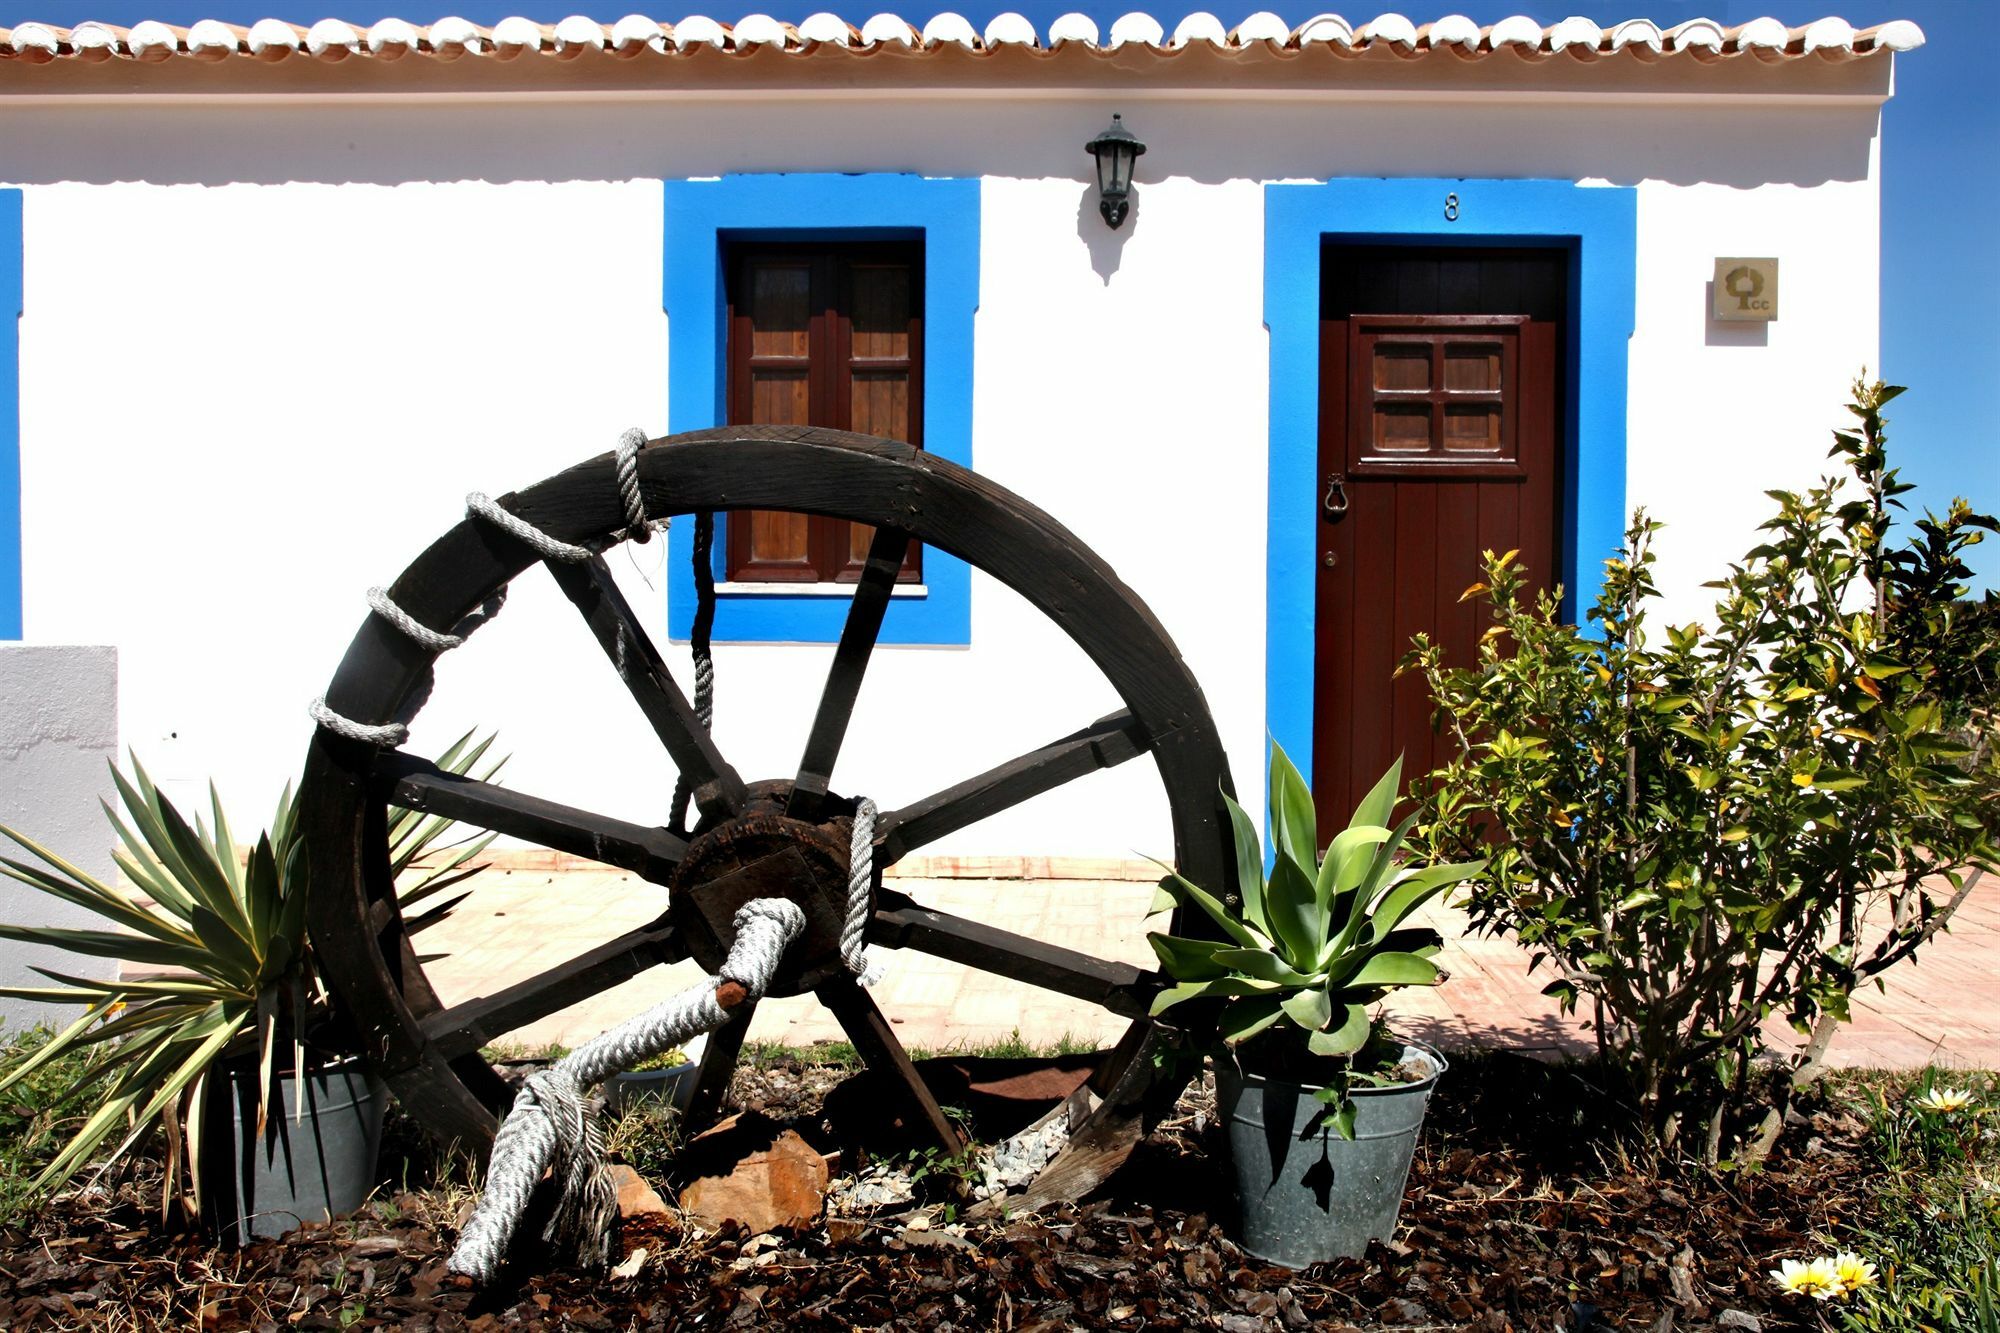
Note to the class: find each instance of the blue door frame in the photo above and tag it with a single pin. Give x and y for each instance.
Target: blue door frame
(1598, 226)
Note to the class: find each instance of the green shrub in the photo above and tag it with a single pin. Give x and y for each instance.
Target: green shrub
(1702, 826)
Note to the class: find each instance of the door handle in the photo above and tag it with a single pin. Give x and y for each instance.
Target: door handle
(1335, 503)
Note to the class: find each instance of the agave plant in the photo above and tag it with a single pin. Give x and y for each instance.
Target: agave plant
(1321, 938)
(222, 940)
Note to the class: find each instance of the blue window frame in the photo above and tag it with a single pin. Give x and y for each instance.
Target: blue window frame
(1599, 229)
(704, 216)
(10, 414)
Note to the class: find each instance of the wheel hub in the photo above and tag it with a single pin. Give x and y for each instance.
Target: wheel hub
(764, 853)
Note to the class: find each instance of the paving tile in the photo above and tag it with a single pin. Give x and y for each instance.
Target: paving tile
(515, 924)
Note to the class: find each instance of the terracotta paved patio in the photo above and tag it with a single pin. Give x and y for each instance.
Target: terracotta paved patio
(1944, 1009)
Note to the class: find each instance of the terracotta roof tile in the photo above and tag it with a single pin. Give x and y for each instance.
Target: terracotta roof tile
(1071, 37)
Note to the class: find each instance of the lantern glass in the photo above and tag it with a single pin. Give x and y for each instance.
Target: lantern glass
(1116, 151)
(1114, 170)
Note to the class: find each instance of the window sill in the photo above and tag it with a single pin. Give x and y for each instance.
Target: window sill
(727, 589)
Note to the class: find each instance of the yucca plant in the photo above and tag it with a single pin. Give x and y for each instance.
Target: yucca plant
(1314, 944)
(229, 968)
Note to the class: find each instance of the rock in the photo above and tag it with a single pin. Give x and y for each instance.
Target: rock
(636, 1198)
(1017, 1161)
(748, 1170)
(1742, 1319)
(881, 1188)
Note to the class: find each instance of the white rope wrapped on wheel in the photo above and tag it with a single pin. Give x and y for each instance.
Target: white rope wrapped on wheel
(553, 1124)
(860, 894)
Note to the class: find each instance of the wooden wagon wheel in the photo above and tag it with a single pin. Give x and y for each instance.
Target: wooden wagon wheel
(787, 837)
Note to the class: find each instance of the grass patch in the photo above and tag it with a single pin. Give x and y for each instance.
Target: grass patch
(37, 1116)
(1933, 1231)
(842, 1055)
(503, 1051)
(645, 1136)
(1011, 1047)
(764, 1054)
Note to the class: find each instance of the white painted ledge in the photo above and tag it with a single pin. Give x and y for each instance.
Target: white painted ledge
(810, 590)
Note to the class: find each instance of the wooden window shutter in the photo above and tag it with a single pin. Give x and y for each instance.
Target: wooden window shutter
(828, 335)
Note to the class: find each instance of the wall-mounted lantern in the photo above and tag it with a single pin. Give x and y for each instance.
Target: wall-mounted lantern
(1115, 150)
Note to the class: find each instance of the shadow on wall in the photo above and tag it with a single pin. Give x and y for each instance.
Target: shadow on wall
(1107, 247)
(1727, 333)
(1207, 142)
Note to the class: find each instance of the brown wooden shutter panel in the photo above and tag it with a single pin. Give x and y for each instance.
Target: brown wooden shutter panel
(822, 336)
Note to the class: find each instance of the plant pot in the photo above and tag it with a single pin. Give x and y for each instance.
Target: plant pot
(669, 1087)
(1305, 1194)
(316, 1159)
(672, 1087)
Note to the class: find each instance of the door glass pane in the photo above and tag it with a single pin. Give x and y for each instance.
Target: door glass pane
(1403, 428)
(1469, 429)
(1472, 367)
(881, 311)
(1403, 366)
(780, 309)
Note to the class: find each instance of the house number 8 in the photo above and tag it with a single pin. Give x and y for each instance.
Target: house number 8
(1451, 208)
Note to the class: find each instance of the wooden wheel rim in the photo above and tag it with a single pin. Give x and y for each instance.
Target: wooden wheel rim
(356, 928)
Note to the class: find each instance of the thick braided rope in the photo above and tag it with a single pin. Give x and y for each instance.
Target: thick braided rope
(386, 733)
(433, 641)
(514, 525)
(638, 527)
(419, 633)
(552, 1123)
(860, 900)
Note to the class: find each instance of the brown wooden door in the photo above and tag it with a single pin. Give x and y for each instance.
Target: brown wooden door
(824, 335)
(1439, 389)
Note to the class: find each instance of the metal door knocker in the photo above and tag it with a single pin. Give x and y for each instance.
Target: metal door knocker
(1336, 494)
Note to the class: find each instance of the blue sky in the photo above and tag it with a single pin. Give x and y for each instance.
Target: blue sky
(1940, 174)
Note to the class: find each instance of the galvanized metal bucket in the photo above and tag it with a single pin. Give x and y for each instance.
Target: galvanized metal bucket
(1305, 1194)
(315, 1160)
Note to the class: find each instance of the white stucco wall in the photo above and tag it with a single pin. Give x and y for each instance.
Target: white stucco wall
(58, 731)
(1721, 413)
(267, 351)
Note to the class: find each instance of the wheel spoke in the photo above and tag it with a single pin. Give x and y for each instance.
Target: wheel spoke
(417, 784)
(901, 923)
(718, 1062)
(717, 788)
(467, 1027)
(876, 1041)
(1104, 743)
(850, 663)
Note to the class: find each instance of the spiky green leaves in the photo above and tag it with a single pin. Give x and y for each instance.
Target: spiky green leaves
(1318, 940)
(224, 937)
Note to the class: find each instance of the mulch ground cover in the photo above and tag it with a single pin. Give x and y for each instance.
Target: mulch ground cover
(1525, 1211)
